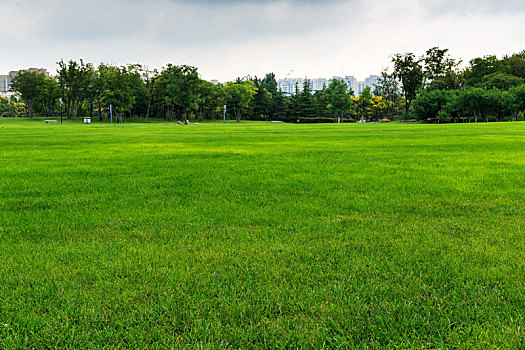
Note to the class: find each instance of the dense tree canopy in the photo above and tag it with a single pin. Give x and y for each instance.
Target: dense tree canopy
(338, 98)
(430, 88)
(31, 86)
(408, 69)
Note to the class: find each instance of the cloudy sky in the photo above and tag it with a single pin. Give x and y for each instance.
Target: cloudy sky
(230, 38)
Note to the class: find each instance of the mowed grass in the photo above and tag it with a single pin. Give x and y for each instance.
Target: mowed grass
(254, 235)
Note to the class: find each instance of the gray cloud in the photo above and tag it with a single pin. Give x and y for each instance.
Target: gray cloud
(229, 2)
(486, 7)
(229, 38)
(175, 22)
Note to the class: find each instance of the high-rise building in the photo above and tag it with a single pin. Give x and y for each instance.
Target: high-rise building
(351, 81)
(372, 81)
(289, 86)
(319, 84)
(3, 84)
(361, 85)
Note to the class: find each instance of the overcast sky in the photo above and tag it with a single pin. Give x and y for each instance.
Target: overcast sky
(230, 38)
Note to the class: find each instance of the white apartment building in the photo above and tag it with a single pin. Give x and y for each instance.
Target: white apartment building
(290, 86)
(358, 86)
(319, 84)
(361, 85)
(4, 86)
(372, 81)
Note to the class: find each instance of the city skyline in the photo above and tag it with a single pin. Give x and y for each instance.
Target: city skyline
(290, 86)
(227, 39)
(317, 84)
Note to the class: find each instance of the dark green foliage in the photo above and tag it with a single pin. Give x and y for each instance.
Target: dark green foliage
(502, 81)
(364, 103)
(211, 101)
(305, 102)
(75, 80)
(408, 70)
(337, 97)
(179, 92)
(515, 64)
(239, 96)
(513, 101)
(429, 103)
(440, 69)
(479, 91)
(121, 87)
(179, 87)
(31, 86)
(451, 80)
(481, 67)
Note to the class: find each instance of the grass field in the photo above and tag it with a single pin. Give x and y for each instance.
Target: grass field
(254, 235)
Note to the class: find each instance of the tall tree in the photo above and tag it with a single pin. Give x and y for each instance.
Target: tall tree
(437, 63)
(210, 101)
(261, 102)
(364, 104)
(480, 67)
(269, 84)
(305, 102)
(515, 64)
(75, 79)
(117, 89)
(150, 77)
(513, 101)
(408, 70)
(50, 95)
(337, 96)
(388, 87)
(179, 87)
(471, 102)
(239, 95)
(30, 86)
(500, 80)
(429, 103)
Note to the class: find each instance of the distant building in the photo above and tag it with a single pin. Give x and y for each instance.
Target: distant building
(361, 85)
(290, 86)
(350, 80)
(214, 82)
(319, 84)
(4, 86)
(372, 81)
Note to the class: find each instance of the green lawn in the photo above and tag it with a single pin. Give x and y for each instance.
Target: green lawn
(254, 235)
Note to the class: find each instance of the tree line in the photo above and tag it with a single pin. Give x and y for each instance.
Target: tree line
(435, 88)
(431, 88)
